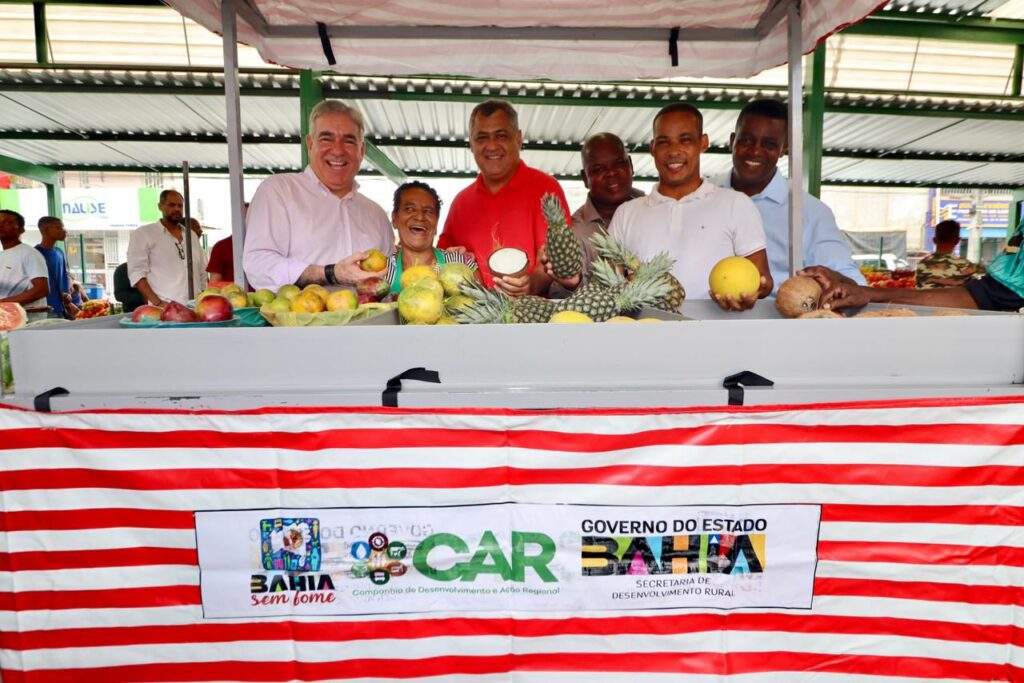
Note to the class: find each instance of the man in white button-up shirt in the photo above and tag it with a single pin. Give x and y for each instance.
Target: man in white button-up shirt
(696, 222)
(157, 256)
(315, 226)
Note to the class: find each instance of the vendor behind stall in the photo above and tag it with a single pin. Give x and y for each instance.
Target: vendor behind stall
(414, 215)
(315, 226)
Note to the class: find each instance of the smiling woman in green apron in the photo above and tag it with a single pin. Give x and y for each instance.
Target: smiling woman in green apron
(415, 215)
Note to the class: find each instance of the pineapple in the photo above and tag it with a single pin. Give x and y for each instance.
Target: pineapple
(615, 251)
(659, 267)
(601, 303)
(563, 247)
(617, 254)
(492, 306)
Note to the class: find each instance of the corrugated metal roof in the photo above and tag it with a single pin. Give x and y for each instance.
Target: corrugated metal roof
(946, 6)
(113, 117)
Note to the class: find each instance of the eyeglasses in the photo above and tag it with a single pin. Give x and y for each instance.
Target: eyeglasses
(177, 245)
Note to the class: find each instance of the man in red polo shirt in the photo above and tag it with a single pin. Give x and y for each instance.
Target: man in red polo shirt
(502, 207)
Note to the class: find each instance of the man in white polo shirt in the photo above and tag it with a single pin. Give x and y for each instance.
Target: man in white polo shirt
(315, 226)
(695, 221)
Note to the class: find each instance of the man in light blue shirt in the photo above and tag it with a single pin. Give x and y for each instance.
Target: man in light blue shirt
(757, 143)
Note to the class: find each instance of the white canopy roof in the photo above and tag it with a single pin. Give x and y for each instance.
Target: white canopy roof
(599, 40)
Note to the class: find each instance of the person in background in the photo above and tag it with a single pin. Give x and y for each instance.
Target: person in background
(607, 173)
(315, 226)
(943, 268)
(129, 297)
(59, 298)
(758, 142)
(414, 215)
(221, 267)
(695, 221)
(157, 258)
(502, 207)
(23, 276)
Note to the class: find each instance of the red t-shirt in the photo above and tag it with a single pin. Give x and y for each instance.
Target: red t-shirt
(483, 221)
(222, 260)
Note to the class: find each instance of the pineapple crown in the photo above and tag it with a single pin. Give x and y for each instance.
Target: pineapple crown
(654, 268)
(551, 205)
(638, 293)
(489, 305)
(614, 250)
(605, 274)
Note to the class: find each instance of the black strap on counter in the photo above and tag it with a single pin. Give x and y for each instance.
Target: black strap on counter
(325, 43)
(673, 46)
(389, 399)
(735, 383)
(42, 401)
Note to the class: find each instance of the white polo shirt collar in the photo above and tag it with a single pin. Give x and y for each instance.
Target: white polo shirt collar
(703, 191)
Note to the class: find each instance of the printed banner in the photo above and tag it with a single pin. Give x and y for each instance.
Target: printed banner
(505, 558)
(422, 544)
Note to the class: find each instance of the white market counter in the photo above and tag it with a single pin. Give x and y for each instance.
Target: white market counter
(673, 363)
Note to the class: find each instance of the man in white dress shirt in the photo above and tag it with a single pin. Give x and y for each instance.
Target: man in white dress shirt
(157, 256)
(695, 221)
(315, 226)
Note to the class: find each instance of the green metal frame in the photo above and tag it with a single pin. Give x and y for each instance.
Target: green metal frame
(1017, 72)
(940, 27)
(48, 176)
(39, 23)
(310, 93)
(1015, 215)
(814, 120)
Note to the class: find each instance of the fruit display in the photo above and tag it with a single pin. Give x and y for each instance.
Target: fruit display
(881, 278)
(12, 316)
(609, 294)
(629, 265)
(563, 248)
(734, 276)
(93, 309)
(315, 306)
(796, 296)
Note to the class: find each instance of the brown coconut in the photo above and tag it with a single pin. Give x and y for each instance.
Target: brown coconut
(820, 313)
(797, 295)
(888, 313)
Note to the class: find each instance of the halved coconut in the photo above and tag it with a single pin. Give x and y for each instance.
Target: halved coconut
(508, 261)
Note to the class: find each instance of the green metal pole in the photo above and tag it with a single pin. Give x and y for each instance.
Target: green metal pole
(814, 120)
(1015, 213)
(53, 199)
(1017, 74)
(81, 255)
(311, 91)
(39, 19)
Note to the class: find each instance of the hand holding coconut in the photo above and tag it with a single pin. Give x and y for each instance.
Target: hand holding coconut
(838, 291)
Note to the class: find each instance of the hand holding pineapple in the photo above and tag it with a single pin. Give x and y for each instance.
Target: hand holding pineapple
(569, 283)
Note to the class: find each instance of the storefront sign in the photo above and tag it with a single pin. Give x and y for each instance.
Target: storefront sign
(505, 557)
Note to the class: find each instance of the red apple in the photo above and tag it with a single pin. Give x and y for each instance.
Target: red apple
(178, 313)
(214, 308)
(147, 313)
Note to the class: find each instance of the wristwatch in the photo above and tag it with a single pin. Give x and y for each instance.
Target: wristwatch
(329, 274)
